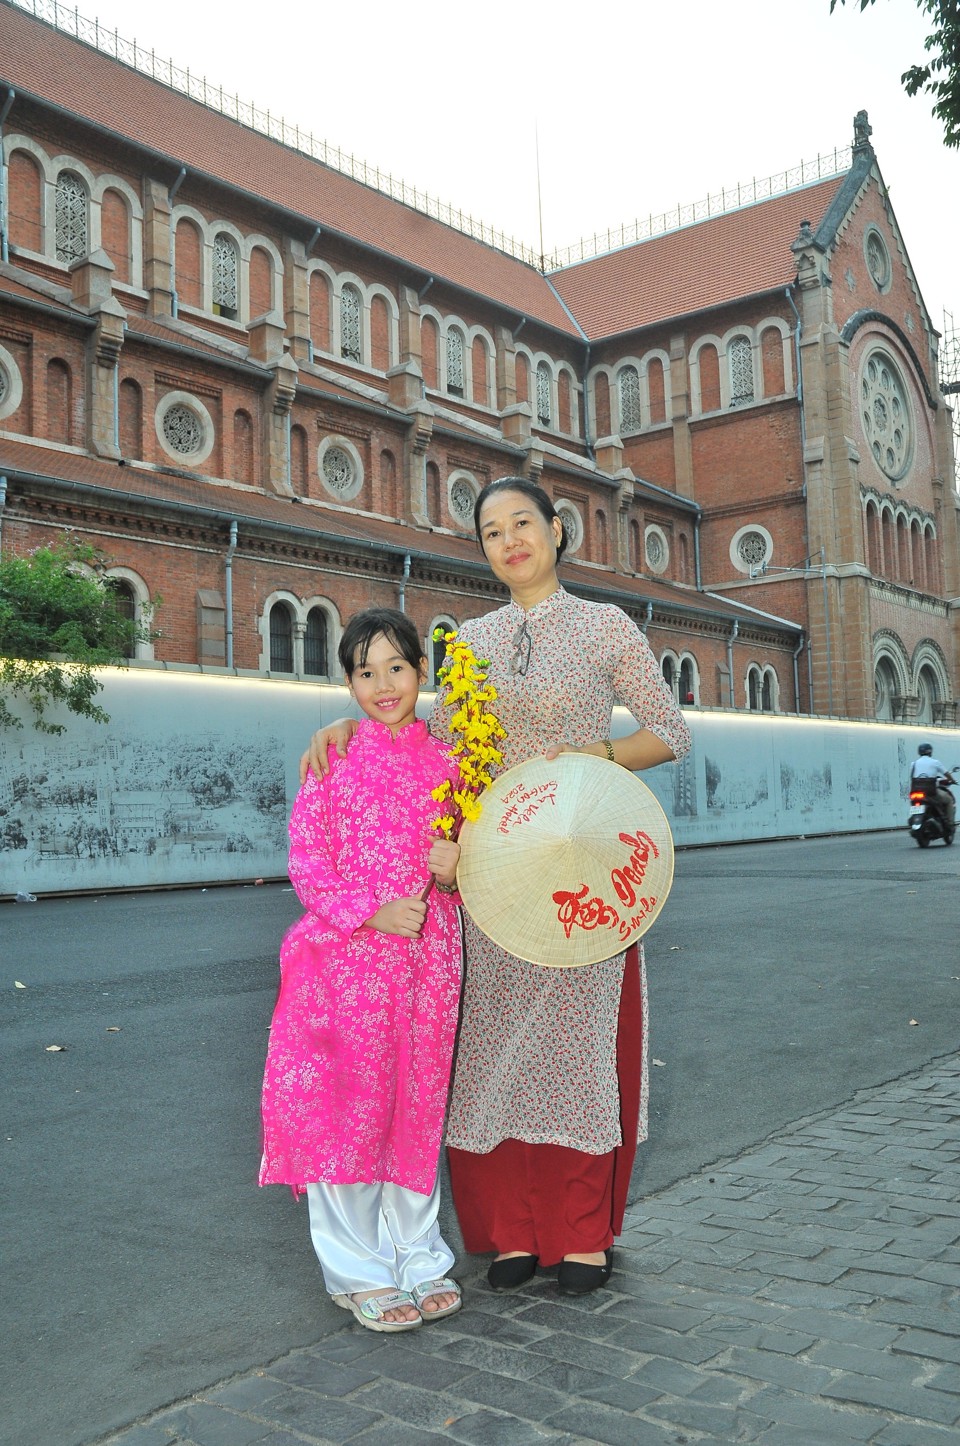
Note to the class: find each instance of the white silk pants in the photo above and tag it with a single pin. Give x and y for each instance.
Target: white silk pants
(367, 1236)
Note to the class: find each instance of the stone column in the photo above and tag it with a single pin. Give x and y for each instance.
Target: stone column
(157, 249)
(91, 289)
(296, 299)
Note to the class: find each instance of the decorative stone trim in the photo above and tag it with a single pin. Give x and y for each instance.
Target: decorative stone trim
(751, 547)
(11, 384)
(184, 428)
(340, 467)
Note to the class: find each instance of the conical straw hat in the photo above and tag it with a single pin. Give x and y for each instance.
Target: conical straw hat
(570, 861)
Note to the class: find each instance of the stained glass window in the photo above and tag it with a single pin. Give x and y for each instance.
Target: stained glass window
(544, 408)
(629, 382)
(350, 324)
(70, 210)
(455, 362)
(225, 267)
(740, 356)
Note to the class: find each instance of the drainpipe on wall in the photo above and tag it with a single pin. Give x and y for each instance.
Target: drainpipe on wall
(3, 503)
(424, 288)
(403, 582)
(696, 552)
(228, 592)
(796, 671)
(646, 621)
(4, 245)
(730, 642)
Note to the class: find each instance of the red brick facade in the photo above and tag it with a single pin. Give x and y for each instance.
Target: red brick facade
(273, 402)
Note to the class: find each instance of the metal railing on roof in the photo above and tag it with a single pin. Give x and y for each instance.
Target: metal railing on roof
(109, 42)
(718, 203)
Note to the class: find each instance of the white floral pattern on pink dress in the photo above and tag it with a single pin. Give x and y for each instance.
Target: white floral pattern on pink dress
(536, 1056)
(358, 1065)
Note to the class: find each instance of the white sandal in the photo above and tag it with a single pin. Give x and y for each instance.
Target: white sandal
(443, 1286)
(370, 1312)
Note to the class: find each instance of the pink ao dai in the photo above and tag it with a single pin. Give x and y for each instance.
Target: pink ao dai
(358, 1064)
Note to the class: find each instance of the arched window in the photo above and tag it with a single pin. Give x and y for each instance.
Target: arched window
(481, 394)
(928, 692)
(319, 311)
(657, 390)
(669, 670)
(932, 564)
(600, 537)
(131, 420)
(740, 359)
(523, 378)
(455, 373)
(762, 690)
(115, 232)
(688, 681)
(544, 404)
(126, 604)
(635, 556)
(350, 312)
(260, 282)
(299, 461)
(628, 381)
(389, 496)
(885, 689)
(434, 505)
(243, 451)
(59, 401)
(437, 648)
(188, 263)
(26, 217)
(70, 214)
(754, 690)
(225, 271)
(429, 352)
(281, 639)
(316, 662)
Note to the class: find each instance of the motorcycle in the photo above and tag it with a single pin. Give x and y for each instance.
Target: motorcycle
(927, 820)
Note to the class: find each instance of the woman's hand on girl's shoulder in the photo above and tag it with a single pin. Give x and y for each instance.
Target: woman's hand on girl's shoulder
(339, 733)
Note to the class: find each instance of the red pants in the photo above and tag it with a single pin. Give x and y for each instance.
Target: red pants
(547, 1200)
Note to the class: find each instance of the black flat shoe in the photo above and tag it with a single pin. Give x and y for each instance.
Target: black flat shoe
(508, 1274)
(576, 1278)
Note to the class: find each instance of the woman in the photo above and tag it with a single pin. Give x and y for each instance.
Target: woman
(549, 1090)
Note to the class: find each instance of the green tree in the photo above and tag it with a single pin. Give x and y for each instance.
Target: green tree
(940, 77)
(57, 625)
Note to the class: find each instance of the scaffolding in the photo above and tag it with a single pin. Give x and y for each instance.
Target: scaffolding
(950, 383)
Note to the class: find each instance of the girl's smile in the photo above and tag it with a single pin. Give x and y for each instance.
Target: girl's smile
(386, 685)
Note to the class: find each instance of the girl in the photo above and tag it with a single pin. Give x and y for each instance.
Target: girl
(361, 1041)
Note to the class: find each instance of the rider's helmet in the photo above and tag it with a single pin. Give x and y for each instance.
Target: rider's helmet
(926, 749)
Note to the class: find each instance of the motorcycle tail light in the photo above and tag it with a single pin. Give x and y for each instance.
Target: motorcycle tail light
(917, 797)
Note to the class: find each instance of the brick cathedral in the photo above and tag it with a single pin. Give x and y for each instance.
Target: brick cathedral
(270, 391)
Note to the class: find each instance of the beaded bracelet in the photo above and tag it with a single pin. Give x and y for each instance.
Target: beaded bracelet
(609, 750)
(446, 888)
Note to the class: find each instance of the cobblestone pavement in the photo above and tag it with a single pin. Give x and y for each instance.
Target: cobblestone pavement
(803, 1294)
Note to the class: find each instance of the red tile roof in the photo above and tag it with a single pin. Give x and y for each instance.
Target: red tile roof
(741, 253)
(41, 61)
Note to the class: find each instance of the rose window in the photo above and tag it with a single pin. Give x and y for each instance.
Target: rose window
(338, 471)
(752, 549)
(886, 416)
(182, 430)
(878, 262)
(571, 527)
(462, 499)
(655, 551)
(4, 385)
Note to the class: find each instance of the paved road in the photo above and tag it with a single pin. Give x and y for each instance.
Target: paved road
(140, 1261)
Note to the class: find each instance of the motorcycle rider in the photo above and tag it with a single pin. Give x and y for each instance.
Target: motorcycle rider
(926, 766)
